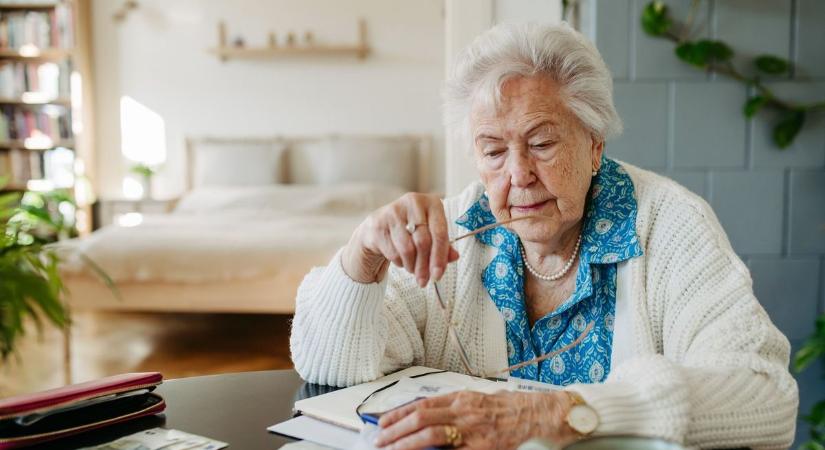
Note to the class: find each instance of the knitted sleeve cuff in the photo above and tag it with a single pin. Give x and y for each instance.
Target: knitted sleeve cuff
(644, 397)
(618, 408)
(338, 332)
(350, 303)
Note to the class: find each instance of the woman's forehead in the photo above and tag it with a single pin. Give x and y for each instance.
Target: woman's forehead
(524, 101)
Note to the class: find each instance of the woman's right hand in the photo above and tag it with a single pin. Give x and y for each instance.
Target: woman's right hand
(383, 238)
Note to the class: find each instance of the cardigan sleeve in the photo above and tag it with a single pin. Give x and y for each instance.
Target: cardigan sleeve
(345, 332)
(717, 375)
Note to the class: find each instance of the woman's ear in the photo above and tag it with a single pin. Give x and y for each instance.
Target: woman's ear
(596, 152)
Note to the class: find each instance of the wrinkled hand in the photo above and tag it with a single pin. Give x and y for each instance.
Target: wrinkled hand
(503, 420)
(383, 238)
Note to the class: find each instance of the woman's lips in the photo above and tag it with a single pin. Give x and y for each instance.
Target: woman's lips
(529, 208)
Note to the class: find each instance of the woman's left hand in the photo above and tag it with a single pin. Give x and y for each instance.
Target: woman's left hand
(502, 420)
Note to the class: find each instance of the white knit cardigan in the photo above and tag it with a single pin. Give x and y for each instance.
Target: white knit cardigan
(696, 359)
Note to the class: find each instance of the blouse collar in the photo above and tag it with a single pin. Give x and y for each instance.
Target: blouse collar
(609, 233)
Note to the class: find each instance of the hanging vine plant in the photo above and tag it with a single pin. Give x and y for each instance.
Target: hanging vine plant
(717, 56)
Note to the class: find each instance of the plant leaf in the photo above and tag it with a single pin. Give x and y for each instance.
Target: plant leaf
(811, 445)
(811, 350)
(753, 105)
(786, 130)
(104, 277)
(655, 18)
(820, 326)
(689, 53)
(771, 65)
(702, 53)
(817, 415)
(717, 50)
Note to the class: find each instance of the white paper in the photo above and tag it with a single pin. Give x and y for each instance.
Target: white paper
(317, 431)
(161, 438)
(366, 438)
(304, 445)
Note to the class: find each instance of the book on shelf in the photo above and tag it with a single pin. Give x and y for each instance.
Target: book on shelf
(41, 80)
(20, 167)
(55, 166)
(51, 121)
(5, 165)
(53, 28)
(35, 165)
(5, 127)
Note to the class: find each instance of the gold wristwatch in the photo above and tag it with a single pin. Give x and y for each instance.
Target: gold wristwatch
(581, 417)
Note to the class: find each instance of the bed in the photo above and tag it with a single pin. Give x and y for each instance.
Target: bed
(256, 216)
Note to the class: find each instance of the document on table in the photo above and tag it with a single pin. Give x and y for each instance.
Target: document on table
(338, 407)
(331, 419)
(161, 438)
(317, 431)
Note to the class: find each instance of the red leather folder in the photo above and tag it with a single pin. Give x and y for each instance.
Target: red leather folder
(43, 416)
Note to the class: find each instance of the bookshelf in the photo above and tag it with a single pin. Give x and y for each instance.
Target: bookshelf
(45, 98)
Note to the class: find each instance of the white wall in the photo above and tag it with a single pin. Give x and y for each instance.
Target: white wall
(465, 19)
(158, 57)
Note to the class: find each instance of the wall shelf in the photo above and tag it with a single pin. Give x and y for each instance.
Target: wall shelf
(20, 102)
(47, 54)
(22, 145)
(26, 6)
(225, 51)
(13, 188)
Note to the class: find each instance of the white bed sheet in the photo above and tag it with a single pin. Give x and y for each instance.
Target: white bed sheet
(221, 239)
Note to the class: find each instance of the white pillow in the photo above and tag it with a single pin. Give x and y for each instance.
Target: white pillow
(340, 160)
(238, 163)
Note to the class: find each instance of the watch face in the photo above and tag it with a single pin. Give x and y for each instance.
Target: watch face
(583, 419)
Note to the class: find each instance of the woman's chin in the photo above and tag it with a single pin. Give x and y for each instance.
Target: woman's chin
(533, 229)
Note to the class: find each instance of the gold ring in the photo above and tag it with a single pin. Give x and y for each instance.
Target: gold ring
(453, 436)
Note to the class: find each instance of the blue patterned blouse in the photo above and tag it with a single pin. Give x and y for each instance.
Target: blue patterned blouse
(608, 237)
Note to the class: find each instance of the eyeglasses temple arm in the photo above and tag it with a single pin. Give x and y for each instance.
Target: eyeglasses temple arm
(545, 356)
(491, 226)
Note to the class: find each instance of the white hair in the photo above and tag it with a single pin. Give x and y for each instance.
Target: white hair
(509, 50)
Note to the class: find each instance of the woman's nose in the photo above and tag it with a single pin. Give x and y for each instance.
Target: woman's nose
(522, 173)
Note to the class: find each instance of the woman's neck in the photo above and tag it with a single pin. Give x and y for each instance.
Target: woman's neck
(550, 257)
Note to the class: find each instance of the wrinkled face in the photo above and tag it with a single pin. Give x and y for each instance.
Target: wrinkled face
(535, 158)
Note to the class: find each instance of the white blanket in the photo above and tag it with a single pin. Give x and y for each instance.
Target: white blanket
(233, 234)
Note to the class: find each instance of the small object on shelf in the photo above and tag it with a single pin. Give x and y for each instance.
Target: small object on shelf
(273, 42)
(127, 7)
(238, 42)
(222, 33)
(225, 50)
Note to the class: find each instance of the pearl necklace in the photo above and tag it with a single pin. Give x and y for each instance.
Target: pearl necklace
(559, 274)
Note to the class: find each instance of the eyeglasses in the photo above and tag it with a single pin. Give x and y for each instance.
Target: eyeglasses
(451, 327)
(373, 417)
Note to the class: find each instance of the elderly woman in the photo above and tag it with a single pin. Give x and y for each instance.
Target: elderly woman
(623, 274)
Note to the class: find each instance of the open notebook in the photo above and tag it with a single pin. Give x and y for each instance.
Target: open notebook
(338, 407)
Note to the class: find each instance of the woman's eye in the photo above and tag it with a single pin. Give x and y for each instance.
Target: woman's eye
(542, 145)
(493, 153)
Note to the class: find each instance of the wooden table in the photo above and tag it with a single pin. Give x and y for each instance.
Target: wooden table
(234, 408)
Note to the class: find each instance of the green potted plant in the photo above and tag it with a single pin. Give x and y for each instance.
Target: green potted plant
(31, 287)
(145, 172)
(813, 350)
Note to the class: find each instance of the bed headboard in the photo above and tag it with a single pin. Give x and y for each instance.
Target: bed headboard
(403, 160)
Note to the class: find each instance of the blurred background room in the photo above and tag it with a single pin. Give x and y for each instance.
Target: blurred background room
(195, 158)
